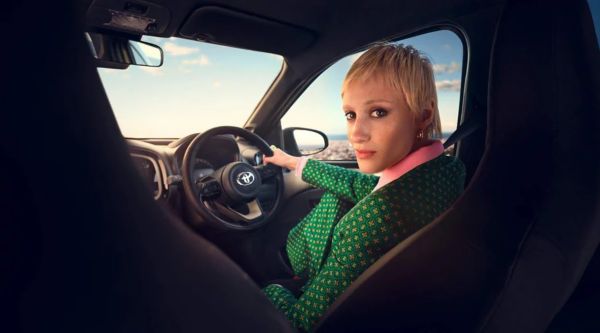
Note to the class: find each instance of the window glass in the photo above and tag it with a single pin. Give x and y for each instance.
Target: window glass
(199, 86)
(320, 106)
(595, 10)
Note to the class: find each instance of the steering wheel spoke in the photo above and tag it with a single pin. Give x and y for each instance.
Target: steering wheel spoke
(267, 171)
(252, 211)
(208, 187)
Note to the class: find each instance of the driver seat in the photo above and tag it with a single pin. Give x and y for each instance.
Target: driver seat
(84, 247)
(509, 253)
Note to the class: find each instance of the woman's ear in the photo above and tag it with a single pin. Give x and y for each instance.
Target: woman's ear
(426, 117)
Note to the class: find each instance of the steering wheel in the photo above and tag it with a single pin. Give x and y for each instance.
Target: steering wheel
(228, 197)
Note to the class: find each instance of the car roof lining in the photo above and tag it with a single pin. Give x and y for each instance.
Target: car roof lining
(220, 25)
(330, 20)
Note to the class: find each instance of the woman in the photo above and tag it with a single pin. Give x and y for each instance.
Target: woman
(390, 105)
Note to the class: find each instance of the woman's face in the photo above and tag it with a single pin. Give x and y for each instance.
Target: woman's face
(381, 128)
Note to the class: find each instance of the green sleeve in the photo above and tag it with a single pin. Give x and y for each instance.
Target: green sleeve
(319, 294)
(343, 183)
(282, 298)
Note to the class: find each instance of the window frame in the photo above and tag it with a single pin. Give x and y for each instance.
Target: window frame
(396, 38)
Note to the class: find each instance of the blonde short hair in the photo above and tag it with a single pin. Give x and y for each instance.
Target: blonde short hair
(406, 69)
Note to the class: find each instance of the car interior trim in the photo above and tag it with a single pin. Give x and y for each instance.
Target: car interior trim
(157, 172)
(215, 24)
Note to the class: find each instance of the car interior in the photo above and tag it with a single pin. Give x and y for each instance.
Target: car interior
(92, 242)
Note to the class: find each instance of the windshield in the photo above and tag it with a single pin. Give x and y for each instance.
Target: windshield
(199, 86)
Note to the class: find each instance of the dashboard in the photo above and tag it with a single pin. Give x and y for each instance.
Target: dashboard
(159, 162)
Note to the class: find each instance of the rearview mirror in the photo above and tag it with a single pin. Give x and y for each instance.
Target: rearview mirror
(119, 52)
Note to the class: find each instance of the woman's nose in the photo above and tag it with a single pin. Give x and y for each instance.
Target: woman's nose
(359, 131)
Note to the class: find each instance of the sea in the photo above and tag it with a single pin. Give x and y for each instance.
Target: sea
(343, 137)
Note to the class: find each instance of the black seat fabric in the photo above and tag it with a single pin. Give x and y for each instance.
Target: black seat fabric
(84, 247)
(580, 314)
(508, 254)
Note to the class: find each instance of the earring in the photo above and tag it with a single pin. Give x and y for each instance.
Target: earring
(420, 135)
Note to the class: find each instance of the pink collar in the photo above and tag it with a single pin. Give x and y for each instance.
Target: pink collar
(411, 161)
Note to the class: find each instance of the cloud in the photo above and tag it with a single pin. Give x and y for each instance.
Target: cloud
(152, 70)
(121, 74)
(201, 60)
(452, 85)
(153, 40)
(446, 68)
(447, 47)
(176, 50)
(109, 70)
(216, 84)
(184, 69)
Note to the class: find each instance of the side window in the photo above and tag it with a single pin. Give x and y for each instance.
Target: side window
(320, 106)
(595, 10)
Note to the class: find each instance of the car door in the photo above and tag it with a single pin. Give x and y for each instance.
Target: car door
(319, 108)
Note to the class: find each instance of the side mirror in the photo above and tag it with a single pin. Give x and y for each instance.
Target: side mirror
(299, 141)
(118, 52)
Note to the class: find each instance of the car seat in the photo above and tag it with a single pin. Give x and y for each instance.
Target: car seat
(84, 247)
(511, 250)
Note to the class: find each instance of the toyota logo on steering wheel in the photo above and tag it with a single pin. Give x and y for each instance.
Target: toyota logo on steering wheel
(245, 178)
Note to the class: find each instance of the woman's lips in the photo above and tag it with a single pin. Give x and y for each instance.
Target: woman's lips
(364, 154)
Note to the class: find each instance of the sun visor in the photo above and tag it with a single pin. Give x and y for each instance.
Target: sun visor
(225, 26)
(131, 16)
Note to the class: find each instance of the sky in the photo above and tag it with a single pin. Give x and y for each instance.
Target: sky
(594, 6)
(201, 86)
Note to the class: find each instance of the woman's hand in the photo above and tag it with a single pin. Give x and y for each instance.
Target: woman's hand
(282, 159)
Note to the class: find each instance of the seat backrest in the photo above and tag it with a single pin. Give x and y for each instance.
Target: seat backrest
(508, 254)
(580, 313)
(84, 246)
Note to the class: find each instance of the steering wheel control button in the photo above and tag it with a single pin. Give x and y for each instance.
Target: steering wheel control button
(208, 187)
(211, 189)
(267, 171)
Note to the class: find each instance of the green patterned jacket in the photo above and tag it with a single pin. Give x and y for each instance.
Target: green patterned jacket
(351, 228)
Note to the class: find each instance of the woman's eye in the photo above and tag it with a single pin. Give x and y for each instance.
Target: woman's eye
(350, 115)
(378, 113)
